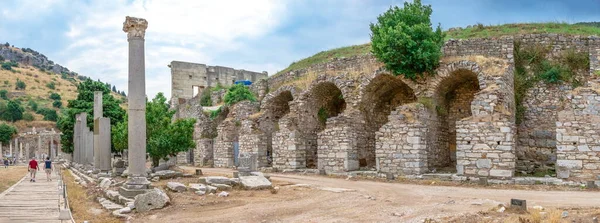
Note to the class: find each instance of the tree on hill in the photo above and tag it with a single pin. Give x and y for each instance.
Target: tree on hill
(164, 137)
(7, 132)
(85, 103)
(237, 93)
(404, 40)
(49, 114)
(11, 111)
(55, 96)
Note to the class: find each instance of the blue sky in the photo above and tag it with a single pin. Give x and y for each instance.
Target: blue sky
(258, 35)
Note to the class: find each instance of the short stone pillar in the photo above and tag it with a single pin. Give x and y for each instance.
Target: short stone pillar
(77, 139)
(137, 182)
(102, 144)
(101, 136)
(27, 153)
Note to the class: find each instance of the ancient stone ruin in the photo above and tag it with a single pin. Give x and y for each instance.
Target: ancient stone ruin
(37, 143)
(352, 115)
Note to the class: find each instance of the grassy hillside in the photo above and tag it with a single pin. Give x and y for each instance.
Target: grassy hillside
(476, 31)
(39, 85)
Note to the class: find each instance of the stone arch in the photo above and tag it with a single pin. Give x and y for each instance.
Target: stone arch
(379, 96)
(275, 107)
(268, 99)
(452, 91)
(324, 100)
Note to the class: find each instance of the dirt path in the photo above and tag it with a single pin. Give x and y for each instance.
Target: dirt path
(368, 201)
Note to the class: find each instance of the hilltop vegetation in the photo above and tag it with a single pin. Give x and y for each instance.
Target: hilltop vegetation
(476, 31)
(37, 87)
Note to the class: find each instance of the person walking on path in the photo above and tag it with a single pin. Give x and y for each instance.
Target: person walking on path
(48, 168)
(5, 163)
(33, 168)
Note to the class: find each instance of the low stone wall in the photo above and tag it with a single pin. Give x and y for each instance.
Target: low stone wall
(485, 149)
(254, 141)
(203, 153)
(401, 144)
(337, 146)
(289, 148)
(578, 136)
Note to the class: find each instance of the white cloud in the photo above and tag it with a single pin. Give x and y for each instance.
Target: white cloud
(187, 30)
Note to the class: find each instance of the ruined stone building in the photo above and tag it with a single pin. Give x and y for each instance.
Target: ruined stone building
(190, 79)
(352, 115)
(39, 143)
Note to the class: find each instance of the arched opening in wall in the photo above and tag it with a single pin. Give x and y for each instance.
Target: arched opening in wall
(325, 101)
(277, 107)
(381, 96)
(453, 98)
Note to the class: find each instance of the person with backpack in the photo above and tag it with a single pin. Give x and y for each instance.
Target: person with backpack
(48, 168)
(33, 168)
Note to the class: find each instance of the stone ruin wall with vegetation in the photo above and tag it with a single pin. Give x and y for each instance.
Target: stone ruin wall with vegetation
(350, 114)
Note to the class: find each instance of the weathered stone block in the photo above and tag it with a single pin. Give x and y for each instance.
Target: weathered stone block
(570, 164)
(501, 173)
(484, 163)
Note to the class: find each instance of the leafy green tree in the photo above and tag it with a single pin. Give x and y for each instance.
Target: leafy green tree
(49, 114)
(20, 85)
(114, 89)
(404, 40)
(85, 103)
(4, 94)
(7, 132)
(55, 96)
(164, 137)
(12, 111)
(237, 93)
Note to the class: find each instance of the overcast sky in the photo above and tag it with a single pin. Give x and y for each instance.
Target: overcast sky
(260, 35)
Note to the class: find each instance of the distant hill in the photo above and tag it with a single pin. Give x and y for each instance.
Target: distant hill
(42, 78)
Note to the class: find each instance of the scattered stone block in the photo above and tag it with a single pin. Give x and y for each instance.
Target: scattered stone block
(223, 194)
(197, 187)
(223, 187)
(153, 199)
(591, 184)
(176, 186)
(200, 192)
(255, 182)
(218, 180)
(105, 183)
(518, 204)
(199, 172)
(168, 174)
(211, 189)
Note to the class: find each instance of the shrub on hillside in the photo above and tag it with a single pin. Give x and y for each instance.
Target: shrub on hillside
(237, 93)
(55, 96)
(4, 94)
(51, 85)
(49, 114)
(28, 116)
(57, 104)
(404, 40)
(33, 105)
(6, 66)
(20, 85)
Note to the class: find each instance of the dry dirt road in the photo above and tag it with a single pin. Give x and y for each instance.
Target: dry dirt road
(366, 201)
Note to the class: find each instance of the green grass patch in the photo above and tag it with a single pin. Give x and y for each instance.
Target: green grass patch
(326, 56)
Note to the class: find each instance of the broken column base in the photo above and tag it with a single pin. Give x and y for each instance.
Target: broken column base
(135, 186)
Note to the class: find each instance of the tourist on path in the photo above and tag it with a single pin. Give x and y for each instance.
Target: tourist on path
(48, 168)
(5, 163)
(33, 168)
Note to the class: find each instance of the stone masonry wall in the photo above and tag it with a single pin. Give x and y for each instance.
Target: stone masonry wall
(338, 146)
(501, 48)
(228, 132)
(289, 149)
(254, 141)
(578, 136)
(401, 144)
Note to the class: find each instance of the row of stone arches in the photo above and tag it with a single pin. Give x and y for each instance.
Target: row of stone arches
(326, 127)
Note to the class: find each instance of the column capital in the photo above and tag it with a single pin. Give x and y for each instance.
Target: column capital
(135, 27)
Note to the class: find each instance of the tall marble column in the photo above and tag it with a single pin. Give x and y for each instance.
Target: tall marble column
(21, 155)
(28, 154)
(136, 182)
(101, 142)
(77, 139)
(10, 148)
(1, 151)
